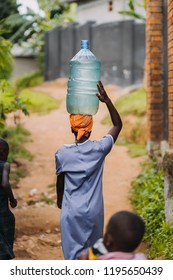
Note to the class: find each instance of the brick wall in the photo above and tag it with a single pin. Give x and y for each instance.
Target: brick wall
(154, 70)
(170, 72)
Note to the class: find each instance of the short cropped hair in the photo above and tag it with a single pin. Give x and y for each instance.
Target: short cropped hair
(127, 230)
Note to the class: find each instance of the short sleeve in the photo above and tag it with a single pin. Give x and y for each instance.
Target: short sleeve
(107, 142)
(58, 163)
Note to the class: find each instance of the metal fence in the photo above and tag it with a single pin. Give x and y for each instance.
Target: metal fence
(120, 46)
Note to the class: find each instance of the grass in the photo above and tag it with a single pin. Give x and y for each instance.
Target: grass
(39, 102)
(48, 200)
(136, 150)
(147, 197)
(132, 108)
(16, 137)
(133, 103)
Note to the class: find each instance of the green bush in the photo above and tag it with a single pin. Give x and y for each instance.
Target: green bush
(6, 60)
(9, 101)
(16, 137)
(39, 102)
(147, 196)
(132, 103)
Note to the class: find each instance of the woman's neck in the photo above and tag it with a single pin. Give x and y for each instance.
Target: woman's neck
(83, 139)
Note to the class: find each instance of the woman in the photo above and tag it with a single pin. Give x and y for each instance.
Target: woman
(79, 169)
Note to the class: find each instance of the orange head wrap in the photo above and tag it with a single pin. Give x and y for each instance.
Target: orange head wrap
(82, 124)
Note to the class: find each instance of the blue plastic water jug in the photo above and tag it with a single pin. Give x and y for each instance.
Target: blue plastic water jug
(82, 84)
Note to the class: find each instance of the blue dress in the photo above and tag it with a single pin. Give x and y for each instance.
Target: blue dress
(82, 213)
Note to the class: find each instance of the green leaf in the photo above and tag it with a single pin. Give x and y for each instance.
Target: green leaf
(131, 5)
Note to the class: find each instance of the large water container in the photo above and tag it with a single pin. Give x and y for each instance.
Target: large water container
(82, 83)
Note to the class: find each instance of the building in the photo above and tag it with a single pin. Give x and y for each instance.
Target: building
(102, 11)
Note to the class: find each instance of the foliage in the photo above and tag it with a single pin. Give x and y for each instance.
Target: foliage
(133, 103)
(8, 8)
(132, 108)
(29, 80)
(6, 60)
(32, 26)
(147, 196)
(10, 101)
(47, 199)
(39, 102)
(132, 9)
(136, 150)
(16, 136)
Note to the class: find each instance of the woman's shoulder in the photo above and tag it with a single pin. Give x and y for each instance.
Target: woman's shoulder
(64, 148)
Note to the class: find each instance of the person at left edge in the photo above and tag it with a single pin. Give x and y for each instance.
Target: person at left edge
(7, 219)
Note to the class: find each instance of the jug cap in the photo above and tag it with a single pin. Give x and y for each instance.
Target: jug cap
(84, 44)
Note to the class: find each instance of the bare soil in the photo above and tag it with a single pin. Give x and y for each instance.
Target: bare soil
(37, 216)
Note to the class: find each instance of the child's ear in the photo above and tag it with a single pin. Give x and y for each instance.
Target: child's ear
(108, 241)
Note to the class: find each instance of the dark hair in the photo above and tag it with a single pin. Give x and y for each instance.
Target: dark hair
(75, 133)
(4, 147)
(127, 230)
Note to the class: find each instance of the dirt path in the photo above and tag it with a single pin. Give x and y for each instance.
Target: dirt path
(37, 223)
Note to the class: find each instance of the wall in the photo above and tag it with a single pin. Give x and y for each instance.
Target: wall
(159, 86)
(24, 66)
(168, 157)
(120, 46)
(170, 71)
(155, 71)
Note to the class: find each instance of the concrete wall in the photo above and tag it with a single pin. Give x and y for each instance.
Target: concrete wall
(120, 46)
(24, 66)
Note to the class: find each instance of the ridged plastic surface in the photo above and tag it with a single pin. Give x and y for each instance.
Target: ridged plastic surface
(82, 83)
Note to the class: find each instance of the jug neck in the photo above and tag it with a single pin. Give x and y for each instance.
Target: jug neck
(84, 44)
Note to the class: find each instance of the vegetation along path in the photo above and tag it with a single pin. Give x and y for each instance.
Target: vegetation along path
(37, 216)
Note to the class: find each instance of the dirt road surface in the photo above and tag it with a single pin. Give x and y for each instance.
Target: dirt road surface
(37, 218)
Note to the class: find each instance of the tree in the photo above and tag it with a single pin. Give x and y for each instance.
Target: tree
(33, 26)
(132, 9)
(10, 101)
(8, 8)
(6, 60)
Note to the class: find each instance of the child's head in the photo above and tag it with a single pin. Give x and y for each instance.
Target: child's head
(4, 149)
(124, 232)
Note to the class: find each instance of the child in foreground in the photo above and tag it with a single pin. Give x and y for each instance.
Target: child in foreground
(124, 233)
(7, 219)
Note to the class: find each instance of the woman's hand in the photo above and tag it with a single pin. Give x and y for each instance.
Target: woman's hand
(102, 95)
